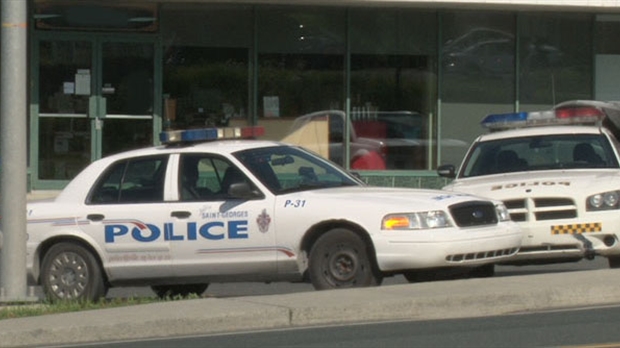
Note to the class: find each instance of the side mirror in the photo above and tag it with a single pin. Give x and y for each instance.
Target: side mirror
(446, 171)
(242, 190)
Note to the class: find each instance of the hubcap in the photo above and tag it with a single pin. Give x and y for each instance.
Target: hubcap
(68, 275)
(343, 266)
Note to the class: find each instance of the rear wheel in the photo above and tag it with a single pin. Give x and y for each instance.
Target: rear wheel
(339, 259)
(71, 272)
(180, 290)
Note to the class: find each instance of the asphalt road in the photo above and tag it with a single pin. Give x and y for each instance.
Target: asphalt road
(592, 327)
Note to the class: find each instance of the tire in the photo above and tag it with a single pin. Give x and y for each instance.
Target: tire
(339, 259)
(614, 261)
(180, 290)
(70, 272)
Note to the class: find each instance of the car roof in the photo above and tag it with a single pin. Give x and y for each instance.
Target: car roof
(217, 146)
(541, 130)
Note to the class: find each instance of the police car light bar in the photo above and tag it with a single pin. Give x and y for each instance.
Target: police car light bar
(562, 116)
(210, 134)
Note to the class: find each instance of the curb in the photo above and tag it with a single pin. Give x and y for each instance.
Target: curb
(420, 301)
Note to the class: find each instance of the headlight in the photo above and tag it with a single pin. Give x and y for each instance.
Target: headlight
(502, 212)
(603, 201)
(416, 221)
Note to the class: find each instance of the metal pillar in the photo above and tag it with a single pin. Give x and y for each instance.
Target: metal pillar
(13, 153)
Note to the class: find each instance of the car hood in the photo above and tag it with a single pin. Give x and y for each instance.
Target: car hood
(545, 183)
(384, 197)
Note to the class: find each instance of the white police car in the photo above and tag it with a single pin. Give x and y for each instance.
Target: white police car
(178, 216)
(558, 174)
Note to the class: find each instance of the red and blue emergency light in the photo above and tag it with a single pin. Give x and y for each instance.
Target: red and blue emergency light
(210, 134)
(560, 116)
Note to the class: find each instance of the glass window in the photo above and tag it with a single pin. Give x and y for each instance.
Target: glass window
(207, 178)
(64, 147)
(606, 32)
(139, 180)
(285, 169)
(555, 59)
(540, 153)
(206, 64)
(393, 87)
(127, 70)
(607, 57)
(478, 57)
(58, 64)
(300, 64)
(478, 75)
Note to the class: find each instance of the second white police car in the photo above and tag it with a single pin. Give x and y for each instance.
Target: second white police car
(179, 216)
(558, 173)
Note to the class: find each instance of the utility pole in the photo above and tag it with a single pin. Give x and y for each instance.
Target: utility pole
(13, 153)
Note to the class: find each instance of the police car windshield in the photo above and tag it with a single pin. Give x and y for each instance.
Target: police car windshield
(285, 169)
(548, 152)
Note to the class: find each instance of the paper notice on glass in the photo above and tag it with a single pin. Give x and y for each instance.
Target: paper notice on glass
(82, 82)
(68, 87)
(271, 106)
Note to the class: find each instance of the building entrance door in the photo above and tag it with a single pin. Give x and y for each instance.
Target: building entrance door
(95, 98)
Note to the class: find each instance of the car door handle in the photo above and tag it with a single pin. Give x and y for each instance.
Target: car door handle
(95, 217)
(181, 214)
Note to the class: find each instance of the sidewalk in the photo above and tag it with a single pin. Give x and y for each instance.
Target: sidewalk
(421, 301)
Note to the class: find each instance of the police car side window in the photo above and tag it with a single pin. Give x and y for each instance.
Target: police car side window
(285, 169)
(131, 181)
(201, 177)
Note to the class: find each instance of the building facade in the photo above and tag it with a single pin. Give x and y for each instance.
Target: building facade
(408, 80)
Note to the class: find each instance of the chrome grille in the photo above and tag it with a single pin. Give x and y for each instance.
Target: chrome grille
(541, 209)
(476, 213)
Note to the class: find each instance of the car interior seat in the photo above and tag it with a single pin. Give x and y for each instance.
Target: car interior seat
(584, 152)
(509, 161)
(232, 175)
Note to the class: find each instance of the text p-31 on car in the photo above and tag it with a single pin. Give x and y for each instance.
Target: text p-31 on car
(178, 216)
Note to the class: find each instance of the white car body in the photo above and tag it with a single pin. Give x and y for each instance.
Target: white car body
(267, 238)
(550, 205)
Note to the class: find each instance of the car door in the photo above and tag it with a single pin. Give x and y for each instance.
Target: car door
(126, 216)
(215, 233)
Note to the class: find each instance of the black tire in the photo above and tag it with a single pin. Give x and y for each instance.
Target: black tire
(339, 259)
(70, 272)
(614, 261)
(179, 290)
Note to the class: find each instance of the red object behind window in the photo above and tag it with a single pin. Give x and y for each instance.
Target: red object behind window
(370, 129)
(371, 160)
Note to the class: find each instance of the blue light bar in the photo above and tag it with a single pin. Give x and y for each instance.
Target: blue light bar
(539, 118)
(498, 120)
(210, 134)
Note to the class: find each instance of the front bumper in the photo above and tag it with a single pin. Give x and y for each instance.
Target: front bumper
(569, 239)
(448, 247)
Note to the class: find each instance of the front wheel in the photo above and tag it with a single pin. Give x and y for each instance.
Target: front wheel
(339, 259)
(71, 272)
(180, 290)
